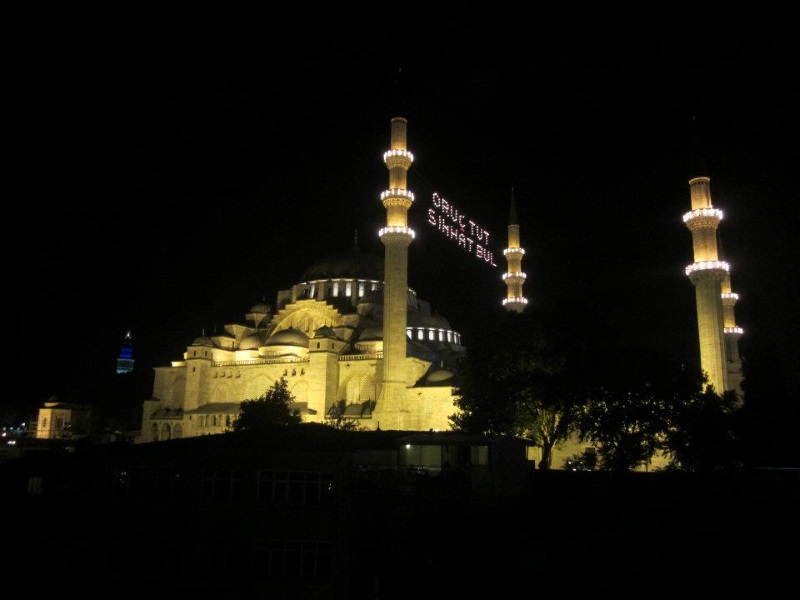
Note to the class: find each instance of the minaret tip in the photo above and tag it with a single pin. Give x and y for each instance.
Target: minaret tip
(513, 219)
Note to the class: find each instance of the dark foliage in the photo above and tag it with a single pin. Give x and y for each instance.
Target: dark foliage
(273, 409)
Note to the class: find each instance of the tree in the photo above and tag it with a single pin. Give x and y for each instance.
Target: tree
(515, 383)
(629, 394)
(626, 426)
(338, 420)
(701, 432)
(273, 409)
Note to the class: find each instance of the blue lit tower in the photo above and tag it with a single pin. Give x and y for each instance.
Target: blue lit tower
(125, 360)
(514, 277)
(390, 408)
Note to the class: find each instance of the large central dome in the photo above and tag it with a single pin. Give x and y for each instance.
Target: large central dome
(354, 264)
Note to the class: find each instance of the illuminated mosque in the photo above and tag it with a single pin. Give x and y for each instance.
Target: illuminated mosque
(353, 334)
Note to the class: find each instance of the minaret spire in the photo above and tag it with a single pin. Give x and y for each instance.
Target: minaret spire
(514, 277)
(390, 410)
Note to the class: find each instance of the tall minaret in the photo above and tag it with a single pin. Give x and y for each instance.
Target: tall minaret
(396, 237)
(707, 273)
(514, 277)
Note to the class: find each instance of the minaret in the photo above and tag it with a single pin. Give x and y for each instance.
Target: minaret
(514, 277)
(707, 273)
(396, 237)
(125, 360)
(731, 333)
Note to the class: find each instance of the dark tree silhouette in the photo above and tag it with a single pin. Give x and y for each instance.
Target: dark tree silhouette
(273, 409)
(338, 420)
(700, 435)
(515, 381)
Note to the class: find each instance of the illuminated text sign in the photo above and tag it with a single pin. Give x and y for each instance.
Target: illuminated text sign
(455, 226)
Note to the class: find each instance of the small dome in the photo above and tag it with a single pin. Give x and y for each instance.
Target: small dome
(251, 342)
(439, 376)
(288, 337)
(325, 332)
(202, 341)
(260, 308)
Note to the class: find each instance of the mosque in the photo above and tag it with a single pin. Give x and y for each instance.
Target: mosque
(352, 333)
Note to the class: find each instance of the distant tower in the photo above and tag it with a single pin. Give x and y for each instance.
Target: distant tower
(732, 333)
(125, 360)
(707, 273)
(396, 237)
(514, 277)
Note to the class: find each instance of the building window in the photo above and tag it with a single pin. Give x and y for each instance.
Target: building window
(296, 487)
(348, 289)
(293, 560)
(335, 288)
(221, 485)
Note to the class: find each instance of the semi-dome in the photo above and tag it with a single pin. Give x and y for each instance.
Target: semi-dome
(374, 332)
(354, 264)
(289, 337)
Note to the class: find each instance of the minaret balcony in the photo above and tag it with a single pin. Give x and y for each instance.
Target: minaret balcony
(515, 300)
(516, 275)
(707, 265)
(508, 251)
(396, 233)
(702, 218)
(398, 158)
(730, 296)
(406, 196)
(733, 330)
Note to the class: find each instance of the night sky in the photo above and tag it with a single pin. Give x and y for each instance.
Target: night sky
(177, 175)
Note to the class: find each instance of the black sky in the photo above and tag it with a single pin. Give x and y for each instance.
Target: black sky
(176, 175)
